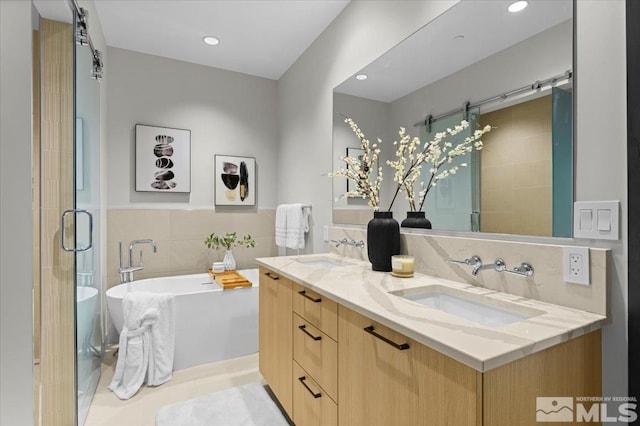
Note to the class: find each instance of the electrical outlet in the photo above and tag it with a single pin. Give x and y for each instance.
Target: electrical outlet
(576, 264)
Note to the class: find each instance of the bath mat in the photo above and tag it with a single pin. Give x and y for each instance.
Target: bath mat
(248, 405)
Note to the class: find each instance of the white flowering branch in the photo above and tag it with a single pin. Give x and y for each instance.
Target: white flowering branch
(359, 170)
(437, 154)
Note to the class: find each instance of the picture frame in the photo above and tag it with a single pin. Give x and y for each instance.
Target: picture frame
(234, 180)
(163, 159)
(355, 153)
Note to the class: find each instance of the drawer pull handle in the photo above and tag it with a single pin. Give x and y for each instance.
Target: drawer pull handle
(273, 277)
(400, 347)
(303, 327)
(302, 380)
(304, 293)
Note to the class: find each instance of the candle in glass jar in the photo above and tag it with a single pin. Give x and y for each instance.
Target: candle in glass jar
(402, 265)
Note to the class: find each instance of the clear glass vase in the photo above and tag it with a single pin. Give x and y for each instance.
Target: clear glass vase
(229, 261)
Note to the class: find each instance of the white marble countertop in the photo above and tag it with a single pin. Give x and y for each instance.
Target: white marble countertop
(483, 348)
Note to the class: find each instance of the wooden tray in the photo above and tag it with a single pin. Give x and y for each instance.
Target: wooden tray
(230, 279)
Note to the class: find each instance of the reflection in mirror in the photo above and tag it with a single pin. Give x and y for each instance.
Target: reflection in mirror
(476, 61)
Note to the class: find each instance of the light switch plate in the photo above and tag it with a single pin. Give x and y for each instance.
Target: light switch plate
(575, 263)
(597, 220)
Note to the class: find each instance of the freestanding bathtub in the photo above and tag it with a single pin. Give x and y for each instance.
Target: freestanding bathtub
(211, 324)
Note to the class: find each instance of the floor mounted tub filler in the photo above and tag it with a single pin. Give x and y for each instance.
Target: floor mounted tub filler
(211, 324)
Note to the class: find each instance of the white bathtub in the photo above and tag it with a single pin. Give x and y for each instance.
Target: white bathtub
(86, 299)
(211, 324)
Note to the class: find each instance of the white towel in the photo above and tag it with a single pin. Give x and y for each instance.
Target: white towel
(292, 222)
(297, 226)
(146, 343)
(281, 225)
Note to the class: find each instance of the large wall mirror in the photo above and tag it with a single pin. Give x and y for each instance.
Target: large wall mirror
(513, 71)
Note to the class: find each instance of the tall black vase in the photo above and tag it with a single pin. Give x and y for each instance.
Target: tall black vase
(416, 220)
(383, 240)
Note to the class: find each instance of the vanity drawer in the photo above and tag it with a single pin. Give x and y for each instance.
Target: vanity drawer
(317, 353)
(318, 310)
(311, 406)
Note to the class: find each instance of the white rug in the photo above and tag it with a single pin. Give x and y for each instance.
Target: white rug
(248, 405)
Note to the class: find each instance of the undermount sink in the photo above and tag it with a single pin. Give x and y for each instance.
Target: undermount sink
(323, 263)
(476, 308)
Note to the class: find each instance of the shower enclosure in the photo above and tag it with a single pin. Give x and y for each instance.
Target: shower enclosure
(69, 308)
(90, 333)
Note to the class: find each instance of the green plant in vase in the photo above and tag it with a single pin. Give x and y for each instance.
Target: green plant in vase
(227, 242)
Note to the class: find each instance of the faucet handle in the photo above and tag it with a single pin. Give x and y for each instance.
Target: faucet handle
(472, 261)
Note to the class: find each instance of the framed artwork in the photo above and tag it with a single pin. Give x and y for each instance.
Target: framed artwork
(163, 159)
(355, 153)
(234, 180)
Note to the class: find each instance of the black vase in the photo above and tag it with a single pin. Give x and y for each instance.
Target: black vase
(383, 240)
(416, 220)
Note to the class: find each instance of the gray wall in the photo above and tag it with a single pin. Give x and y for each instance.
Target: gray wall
(227, 112)
(601, 159)
(373, 119)
(16, 223)
(364, 30)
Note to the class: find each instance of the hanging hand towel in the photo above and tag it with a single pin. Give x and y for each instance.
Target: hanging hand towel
(297, 225)
(281, 225)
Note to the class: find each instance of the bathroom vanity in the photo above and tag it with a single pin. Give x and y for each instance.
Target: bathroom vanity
(341, 344)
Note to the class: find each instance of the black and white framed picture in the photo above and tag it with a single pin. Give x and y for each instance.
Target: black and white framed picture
(234, 180)
(163, 159)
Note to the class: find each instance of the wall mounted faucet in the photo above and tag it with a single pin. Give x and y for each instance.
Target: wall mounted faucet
(474, 261)
(126, 273)
(344, 241)
(524, 270)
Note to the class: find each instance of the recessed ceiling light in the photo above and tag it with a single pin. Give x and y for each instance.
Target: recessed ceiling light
(517, 6)
(361, 77)
(211, 41)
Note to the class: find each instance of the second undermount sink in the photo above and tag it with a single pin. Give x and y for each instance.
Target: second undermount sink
(476, 308)
(323, 262)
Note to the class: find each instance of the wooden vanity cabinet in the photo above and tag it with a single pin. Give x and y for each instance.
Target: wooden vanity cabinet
(311, 405)
(400, 381)
(315, 356)
(275, 343)
(329, 365)
(382, 384)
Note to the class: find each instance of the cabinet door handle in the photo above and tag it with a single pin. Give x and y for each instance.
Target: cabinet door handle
(273, 277)
(302, 380)
(399, 346)
(303, 327)
(314, 300)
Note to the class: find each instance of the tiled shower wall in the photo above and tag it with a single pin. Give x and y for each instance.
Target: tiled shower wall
(515, 176)
(180, 236)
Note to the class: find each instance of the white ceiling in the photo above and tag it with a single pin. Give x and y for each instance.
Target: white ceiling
(260, 37)
(433, 52)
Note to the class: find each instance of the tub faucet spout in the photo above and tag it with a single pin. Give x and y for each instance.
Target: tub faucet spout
(134, 242)
(126, 272)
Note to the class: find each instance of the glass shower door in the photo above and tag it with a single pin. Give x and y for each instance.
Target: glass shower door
(89, 295)
(454, 203)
